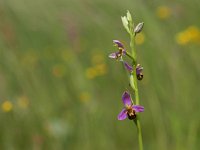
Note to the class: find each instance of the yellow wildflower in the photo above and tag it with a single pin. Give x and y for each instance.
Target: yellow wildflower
(91, 73)
(97, 58)
(84, 97)
(163, 12)
(7, 106)
(182, 38)
(193, 33)
(190, 35)
(101, 69)
(140, 38)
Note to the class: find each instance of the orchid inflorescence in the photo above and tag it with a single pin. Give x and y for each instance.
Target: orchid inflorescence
(130, 109)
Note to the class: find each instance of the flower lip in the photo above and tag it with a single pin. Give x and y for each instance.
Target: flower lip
(139, 73)
(139, 69)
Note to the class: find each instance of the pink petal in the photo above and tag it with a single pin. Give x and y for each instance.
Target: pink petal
(138, 108)
(126, 98)
(122, 115)
(118, 43)
(113, 55)
(128, 67)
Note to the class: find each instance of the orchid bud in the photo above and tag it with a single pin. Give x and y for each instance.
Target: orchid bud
(125, 23)
(129, 18)
(139, 27)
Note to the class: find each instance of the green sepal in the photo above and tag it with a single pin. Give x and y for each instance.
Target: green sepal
(129, 17)
(125, 23)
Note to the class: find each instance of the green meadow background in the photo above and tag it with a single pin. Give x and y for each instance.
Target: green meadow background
(60, 91)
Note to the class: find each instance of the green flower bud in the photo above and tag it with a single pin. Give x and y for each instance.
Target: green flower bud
(129, 18)
(125, 23)
(139, 27)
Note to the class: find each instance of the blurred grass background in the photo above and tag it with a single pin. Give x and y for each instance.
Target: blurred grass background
(59, 90)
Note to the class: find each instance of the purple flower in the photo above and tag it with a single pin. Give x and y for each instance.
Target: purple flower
(129, 109)
(128, 67)
(118, 43)
(119, 53)
(139, 70)
(139, 73)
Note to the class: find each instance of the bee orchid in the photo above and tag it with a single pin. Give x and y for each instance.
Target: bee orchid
(129, 109)
(121, 50)
(139, 70)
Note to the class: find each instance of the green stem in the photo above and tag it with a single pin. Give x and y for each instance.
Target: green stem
(129, 55)
(135, 88)
(133, 48)
(137, 103)
(139, 134)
